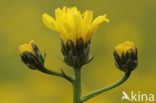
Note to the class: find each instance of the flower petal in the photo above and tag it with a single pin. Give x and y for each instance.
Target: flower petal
(95, 25)
(88, 16)
(49, 21)
(98, 21)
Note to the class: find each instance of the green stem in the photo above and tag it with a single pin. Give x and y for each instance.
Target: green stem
(97, 92)
(77, 86)
(62, 74)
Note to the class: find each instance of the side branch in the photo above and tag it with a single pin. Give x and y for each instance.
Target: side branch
(99, 91)
(62, 74)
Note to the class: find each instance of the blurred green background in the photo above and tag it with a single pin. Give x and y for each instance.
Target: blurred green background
(20, 21)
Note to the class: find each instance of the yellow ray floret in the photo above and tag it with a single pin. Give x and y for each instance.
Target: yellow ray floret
(26, 47)
(125, 47)
(71, 24)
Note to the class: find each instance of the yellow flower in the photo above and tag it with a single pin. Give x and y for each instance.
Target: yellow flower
(125, 47)
(126, 58)
(26, 47)
(31, 56)
(75, 30)
(71, 24)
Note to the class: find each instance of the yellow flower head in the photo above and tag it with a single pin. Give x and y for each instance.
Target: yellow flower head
(26, 47)
(125, 47)
(71, 24)
(31, 56)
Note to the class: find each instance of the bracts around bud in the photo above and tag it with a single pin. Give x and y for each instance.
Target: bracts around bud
(76, 54)
(127, 62)
(31, 56)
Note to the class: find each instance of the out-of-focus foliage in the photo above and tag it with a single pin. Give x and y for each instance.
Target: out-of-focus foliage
(20, 21)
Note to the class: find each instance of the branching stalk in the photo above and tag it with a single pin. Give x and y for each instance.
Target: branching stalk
(99, 91)
(77, 98)
(62, 74)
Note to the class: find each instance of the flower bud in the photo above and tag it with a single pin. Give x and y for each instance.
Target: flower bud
(31, 56)
(125, 55)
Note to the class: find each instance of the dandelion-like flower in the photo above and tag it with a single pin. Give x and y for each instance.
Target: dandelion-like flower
(126, 56)
(75, 30)
(31, 55)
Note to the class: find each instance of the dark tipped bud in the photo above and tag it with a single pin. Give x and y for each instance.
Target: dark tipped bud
(76, 54)
(125, 55)
(31, 56)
